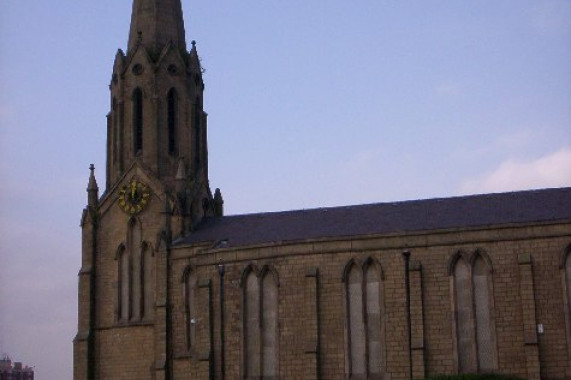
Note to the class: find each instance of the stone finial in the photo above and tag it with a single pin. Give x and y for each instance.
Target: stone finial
(218, 203)
(92, 188)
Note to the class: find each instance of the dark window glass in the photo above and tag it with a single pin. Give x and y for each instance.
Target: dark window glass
(138, 120)
(172, 120)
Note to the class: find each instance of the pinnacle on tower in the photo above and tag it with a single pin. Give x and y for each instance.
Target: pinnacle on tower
(156, 22)
(92, 188)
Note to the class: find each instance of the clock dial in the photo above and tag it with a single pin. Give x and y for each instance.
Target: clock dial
(134, 197)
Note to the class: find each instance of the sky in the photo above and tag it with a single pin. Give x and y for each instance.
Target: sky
(310, 103)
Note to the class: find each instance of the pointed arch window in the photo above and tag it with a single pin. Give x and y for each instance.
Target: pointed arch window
(172, 119)
(269, 326)
(135, 296)
(251, 327)
(137, 121)
(124, 284)
(134, 242)
(374, 320)
(356, 322)
(365, 320)
(260, 324)
(473, 312)
(147, 283)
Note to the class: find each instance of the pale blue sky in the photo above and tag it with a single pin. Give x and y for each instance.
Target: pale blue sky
(311, 103)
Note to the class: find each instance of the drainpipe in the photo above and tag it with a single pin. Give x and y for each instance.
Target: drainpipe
(406, 256)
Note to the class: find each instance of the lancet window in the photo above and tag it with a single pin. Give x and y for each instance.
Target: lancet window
(135, 277)
(172, 119)
(260, 324)
(137, 121)
(365, 320)
(473, 302)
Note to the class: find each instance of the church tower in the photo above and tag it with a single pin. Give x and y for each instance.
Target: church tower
(157, 190)
(157, 119)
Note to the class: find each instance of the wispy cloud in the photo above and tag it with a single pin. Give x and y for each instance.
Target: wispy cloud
(551, 170)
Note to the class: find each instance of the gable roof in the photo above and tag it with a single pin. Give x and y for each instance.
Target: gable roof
(548, 205)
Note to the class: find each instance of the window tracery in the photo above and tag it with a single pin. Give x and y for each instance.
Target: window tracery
(260, 323)
(135, 272)
(365, 320)
(473, 312)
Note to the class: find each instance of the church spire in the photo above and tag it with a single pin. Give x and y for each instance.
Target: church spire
(156, 22)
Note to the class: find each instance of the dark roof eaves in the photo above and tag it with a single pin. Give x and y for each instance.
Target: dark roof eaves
(392, 234)
(382, 219)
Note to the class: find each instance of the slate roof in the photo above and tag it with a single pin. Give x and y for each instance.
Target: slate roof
(536, 206)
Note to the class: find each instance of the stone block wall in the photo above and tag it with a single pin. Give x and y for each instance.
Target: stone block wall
(312, 307)
(312, 331)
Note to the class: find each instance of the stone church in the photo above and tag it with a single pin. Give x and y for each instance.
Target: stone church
(171, 288)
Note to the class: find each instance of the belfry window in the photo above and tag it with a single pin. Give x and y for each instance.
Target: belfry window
(365, 338)
(137, 121)
(172, 119)
(472, 283)
(260, 324)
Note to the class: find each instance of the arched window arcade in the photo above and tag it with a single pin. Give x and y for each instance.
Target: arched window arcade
(471, 279)
(364, 300)
(135, 273)
(260, 323)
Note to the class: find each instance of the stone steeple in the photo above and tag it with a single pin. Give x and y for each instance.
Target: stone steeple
(156, 22)
(157, 120)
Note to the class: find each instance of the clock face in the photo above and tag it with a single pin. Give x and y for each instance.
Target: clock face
(134, 196)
